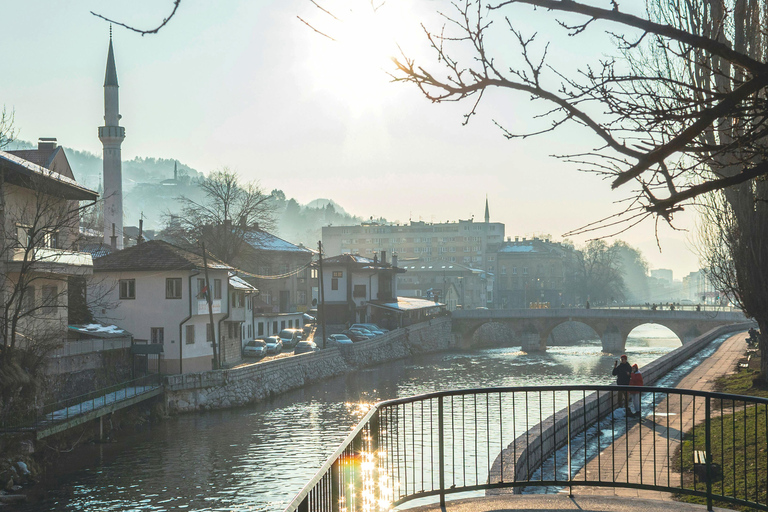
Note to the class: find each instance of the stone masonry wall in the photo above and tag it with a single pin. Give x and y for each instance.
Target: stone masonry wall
(253, 383)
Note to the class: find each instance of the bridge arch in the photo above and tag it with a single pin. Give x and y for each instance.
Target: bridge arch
(613, 326)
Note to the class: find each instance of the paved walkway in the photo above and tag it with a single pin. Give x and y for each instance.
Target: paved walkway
(656, 440)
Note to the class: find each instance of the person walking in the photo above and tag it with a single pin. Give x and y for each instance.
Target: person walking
(636, 379)
(623, 372)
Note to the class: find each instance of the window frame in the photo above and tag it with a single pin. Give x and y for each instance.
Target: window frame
(129, 291)
(171, 284)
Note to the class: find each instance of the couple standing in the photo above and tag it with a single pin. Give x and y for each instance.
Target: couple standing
(627, 375)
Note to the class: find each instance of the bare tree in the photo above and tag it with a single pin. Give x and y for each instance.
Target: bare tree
(595, 273)
(223, 219)
(7, 131)
(41, 279)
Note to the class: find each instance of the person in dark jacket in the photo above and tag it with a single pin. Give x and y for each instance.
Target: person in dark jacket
(623, 372)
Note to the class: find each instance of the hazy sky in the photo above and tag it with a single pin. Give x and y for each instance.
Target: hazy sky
(245, 84)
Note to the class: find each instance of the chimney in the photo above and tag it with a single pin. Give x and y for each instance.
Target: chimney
(516, 239)
(394, 260)
(140, 238)
(375, 257)
(46, 143)
(383, 256)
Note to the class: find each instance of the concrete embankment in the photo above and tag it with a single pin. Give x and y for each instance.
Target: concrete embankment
(524, 455)
(253, 383)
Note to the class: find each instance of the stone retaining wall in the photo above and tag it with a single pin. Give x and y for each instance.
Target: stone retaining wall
(240, 386)
(541, 441)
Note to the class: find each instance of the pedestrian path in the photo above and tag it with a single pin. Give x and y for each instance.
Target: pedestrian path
(642, 455)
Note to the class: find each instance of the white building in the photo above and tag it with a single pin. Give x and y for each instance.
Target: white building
(158, 293)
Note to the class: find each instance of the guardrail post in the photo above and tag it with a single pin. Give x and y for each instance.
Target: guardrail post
(570, 475)
(441, 449)
(373, 446)
(708, 448)
(335, 483)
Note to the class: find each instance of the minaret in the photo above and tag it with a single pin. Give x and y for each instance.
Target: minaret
(487, 212)
(111, 136)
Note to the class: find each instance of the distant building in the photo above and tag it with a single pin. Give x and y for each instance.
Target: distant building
(699, 289)
(451, 283)
(280, 270)
(465, 241)
(531, 271)
(664, 274)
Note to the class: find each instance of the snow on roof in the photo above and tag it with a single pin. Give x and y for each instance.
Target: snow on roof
(239, 284)
(47, 173)
(100, 330)
(265, 241)
(517, 248)
(409, 304)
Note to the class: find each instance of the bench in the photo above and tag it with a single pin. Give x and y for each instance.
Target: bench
(700, 466)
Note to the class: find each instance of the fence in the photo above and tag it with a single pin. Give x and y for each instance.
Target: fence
(64, 410)
(485, 439)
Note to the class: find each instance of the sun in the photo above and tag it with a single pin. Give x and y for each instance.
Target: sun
(351, 55)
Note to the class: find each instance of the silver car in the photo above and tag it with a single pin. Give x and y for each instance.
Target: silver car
(255, 348)
(274, 345)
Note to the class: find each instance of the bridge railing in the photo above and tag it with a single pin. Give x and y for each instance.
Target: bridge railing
(437, 444)
(64, 410)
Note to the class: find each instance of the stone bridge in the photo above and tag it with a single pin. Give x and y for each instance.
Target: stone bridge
(533, 326)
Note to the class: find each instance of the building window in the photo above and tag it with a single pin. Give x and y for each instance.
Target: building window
(29, 298)
(200, 287)
(504, 270)
(50, 299)
(301, 296)
(514, 270)
(337, 273)
(127, 288)
(359, 291)
(334, 284)
(173, 288)
(157, 334)
(525, 271)
(217, 288)
(261, 328)
(189, 335)
(209, 332)
(282, 325)
(232, 330)
(274, 327)
(52, 240)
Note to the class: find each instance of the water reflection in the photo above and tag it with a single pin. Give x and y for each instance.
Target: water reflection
(258, 458)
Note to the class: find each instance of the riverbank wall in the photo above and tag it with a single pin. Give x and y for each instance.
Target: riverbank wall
(244, 385)
(528, 451)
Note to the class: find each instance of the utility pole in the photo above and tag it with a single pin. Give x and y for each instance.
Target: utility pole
(215, 364)
(321, 309)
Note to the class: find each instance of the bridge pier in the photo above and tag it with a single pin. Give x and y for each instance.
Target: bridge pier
(613, 342)
(532, 342)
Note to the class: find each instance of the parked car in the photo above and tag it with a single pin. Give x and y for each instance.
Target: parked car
(304, 347)
(274, 345)
(290, 337)
(356, 336)
(255, 348)
(375, 327)
(363, 331)
(339, 339)
(368, 327)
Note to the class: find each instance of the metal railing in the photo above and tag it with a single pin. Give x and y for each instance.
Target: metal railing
(64, 410)
(557, 436)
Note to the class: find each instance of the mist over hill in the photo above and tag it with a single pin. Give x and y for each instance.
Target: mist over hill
(151, 191)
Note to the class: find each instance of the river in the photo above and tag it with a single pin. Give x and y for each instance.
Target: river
(257, 458)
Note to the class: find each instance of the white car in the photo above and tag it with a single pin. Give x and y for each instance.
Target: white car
(274, 345)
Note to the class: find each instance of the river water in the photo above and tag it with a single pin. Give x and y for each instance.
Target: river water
(257, 458)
